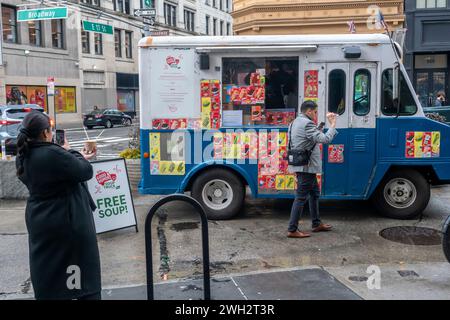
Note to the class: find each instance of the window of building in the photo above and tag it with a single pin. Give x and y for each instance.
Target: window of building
(215, 26)
(92, 2)
(336, 91)
(58, 33)
(118, 43)
(228, 28)
(228, 5)
(220, 4)
(98, 43)
(85, 45)
(430, 4)
(170, 14)
(214, 4)
(189, 17)
(207, 24)
(361, 92)
(9, 24)
(35, 33)
(408, 106)
(221, 28)
(128, 44)
(122, 6)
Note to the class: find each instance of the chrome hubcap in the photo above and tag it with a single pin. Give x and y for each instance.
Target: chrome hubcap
(217, 194)
(400, 193)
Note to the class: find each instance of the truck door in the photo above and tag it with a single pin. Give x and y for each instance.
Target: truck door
(362, 111)
(335, 164)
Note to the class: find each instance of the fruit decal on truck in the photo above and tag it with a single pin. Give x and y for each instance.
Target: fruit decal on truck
(423, 144)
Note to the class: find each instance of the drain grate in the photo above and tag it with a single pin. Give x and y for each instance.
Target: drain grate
(419, 236)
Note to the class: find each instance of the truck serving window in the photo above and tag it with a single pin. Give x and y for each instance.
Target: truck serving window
(361, 92)
(261, 91)
(336, 91)
(408, 106)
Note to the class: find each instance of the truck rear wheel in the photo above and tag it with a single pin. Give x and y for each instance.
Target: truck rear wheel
(446, 239)
(402, 194)
(220, 192)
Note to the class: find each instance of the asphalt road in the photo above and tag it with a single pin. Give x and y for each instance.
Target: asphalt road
(110, 142)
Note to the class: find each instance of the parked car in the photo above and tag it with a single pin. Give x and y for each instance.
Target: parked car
(10, 118)
(106, 118)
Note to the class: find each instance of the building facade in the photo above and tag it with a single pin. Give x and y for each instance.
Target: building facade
(428, 48)
(313, 16)
(89, 68)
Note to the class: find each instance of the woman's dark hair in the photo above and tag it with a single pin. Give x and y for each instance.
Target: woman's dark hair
(32, 126)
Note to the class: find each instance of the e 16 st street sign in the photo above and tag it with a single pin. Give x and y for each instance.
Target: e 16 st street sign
(42, 14)
(97, 27)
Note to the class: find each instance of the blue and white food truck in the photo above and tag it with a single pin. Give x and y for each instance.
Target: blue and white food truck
(215, 113)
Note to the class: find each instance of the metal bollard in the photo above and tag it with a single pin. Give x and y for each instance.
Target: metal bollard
(205, 244)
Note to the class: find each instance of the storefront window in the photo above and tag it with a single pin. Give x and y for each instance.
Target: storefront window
(407, 107)
(125, 101)
(259, 91)
(17, 95)
(65, 100)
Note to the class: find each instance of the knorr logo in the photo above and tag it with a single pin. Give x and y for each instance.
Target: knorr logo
(106, 179)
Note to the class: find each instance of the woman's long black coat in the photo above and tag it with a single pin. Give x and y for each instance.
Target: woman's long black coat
(60, 223)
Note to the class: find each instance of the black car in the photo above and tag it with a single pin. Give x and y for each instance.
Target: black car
(11, 117)
(106, 118)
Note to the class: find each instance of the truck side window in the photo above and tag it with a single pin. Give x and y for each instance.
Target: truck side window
(361, 92)
(336, 91)
(408, 106)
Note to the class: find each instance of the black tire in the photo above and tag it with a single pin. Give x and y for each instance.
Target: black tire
(108, 124)
(415, 206)
(446, 239)
(89, 127)
(127, 122)
(214, 177)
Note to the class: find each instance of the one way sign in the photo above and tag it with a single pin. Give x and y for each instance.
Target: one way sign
(145, 12)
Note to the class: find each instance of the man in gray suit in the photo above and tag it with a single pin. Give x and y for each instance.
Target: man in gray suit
(305, 135)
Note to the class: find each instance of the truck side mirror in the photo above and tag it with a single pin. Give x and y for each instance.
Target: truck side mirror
(395, 84)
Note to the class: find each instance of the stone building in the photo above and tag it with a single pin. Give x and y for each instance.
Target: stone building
(312, 16)
(91, 68)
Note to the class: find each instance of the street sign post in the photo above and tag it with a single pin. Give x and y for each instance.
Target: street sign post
(42, 14)
(145, 12)
(97, 27)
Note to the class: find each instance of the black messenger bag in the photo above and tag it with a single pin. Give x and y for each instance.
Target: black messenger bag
(298, 158)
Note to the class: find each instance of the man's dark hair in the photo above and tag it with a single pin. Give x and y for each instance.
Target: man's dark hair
(308, 105)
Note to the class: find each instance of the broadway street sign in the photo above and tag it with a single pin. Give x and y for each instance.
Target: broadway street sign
(97, 27)
(42, 14)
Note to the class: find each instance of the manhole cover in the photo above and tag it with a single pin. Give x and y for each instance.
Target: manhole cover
(419, 236)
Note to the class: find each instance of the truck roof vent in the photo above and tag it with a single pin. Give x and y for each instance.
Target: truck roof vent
(352, 52)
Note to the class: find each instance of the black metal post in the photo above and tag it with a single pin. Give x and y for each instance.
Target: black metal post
(205, 243)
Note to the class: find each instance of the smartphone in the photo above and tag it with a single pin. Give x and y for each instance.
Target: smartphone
(60, 137)
(321, 126)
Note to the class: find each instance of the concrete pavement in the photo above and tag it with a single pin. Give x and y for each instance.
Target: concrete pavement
(254, 242)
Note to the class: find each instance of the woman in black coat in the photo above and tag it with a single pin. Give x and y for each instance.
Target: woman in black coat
(64, 257)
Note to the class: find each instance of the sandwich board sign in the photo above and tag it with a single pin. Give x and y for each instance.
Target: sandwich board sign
(110, 189)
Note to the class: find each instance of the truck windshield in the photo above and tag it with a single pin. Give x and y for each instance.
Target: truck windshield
(408, 106)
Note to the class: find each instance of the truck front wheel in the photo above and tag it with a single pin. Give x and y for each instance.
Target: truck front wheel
(220, 192)
(403, 194)
(446, 239)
